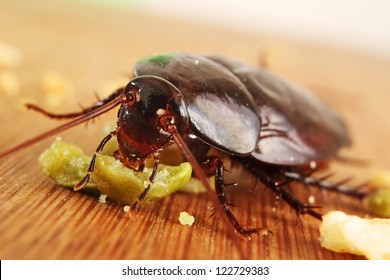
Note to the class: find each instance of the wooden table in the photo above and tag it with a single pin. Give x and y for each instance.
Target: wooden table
(94, 47)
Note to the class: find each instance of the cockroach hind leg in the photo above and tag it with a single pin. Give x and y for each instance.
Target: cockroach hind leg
(341, 186)
(299, 207)
(246, 234)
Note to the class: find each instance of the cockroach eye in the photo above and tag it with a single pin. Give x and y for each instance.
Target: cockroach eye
(131, 96)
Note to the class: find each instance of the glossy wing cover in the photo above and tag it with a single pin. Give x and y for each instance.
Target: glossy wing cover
(221, 110)
(297, 126)
(244, 110)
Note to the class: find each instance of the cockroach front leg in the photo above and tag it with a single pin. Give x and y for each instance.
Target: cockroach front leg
(91, 167)
(151, 179)
(215, 166)
(95, 106)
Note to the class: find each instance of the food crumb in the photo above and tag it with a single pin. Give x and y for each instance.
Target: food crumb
(102, 198)
(186, 219)
(381, 179)
(126, 208)
(311, 199)
(378, 201)
(340, 232)
(56, 88)
(9, 83)
(10, 57)
(264, 232)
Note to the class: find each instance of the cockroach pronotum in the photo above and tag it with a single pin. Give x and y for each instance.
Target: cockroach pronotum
(277, 130)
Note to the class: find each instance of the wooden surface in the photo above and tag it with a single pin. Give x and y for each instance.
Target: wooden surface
(93, 48)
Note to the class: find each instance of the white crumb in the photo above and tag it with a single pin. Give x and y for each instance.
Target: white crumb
(10, 57)
(9, 83)
(186, 219)
(102, 198)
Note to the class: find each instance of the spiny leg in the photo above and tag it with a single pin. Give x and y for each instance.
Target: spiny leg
(339, 187)
(151, 179)
(91, 167)
(95, 106)
(215, 166)
(298, 206)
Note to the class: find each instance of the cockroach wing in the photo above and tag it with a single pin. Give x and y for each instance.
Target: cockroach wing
(297, 127)
(222, 112)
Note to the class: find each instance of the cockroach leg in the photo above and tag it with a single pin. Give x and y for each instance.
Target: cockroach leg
(215, 166)
(91, 167)
(200, 174)
(297, 205)
(151, 179)
(339, 187)
(84, 111)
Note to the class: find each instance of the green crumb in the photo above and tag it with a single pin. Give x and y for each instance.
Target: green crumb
(66, 165)
(195, 186)
(379, 202)
(124, 185)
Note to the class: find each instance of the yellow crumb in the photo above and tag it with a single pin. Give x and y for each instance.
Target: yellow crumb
(381, 179)
(186, 219)
(311, 199)
(378, 201)
(10, 57)
(350, 234)
(56, 88)
(9, 83)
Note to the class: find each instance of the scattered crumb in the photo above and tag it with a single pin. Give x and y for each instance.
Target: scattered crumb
(9, 83)
(102, 198)
(381, 179)
(351, 234)
(311, 199)
(126, 208)
(378, 202)
(10, 57)
(186, 219)
(313, 164)
(56, 88)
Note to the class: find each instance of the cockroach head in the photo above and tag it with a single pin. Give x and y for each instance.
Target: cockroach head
(152, 95)
(152, 108)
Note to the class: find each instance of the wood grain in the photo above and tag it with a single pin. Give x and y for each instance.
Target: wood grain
(94, 47)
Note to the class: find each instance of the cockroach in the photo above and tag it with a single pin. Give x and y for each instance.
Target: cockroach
(277, 130)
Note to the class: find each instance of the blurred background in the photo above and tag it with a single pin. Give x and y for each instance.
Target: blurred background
(359, 25)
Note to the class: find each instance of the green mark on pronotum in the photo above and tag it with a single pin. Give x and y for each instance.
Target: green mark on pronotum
(161, 60)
